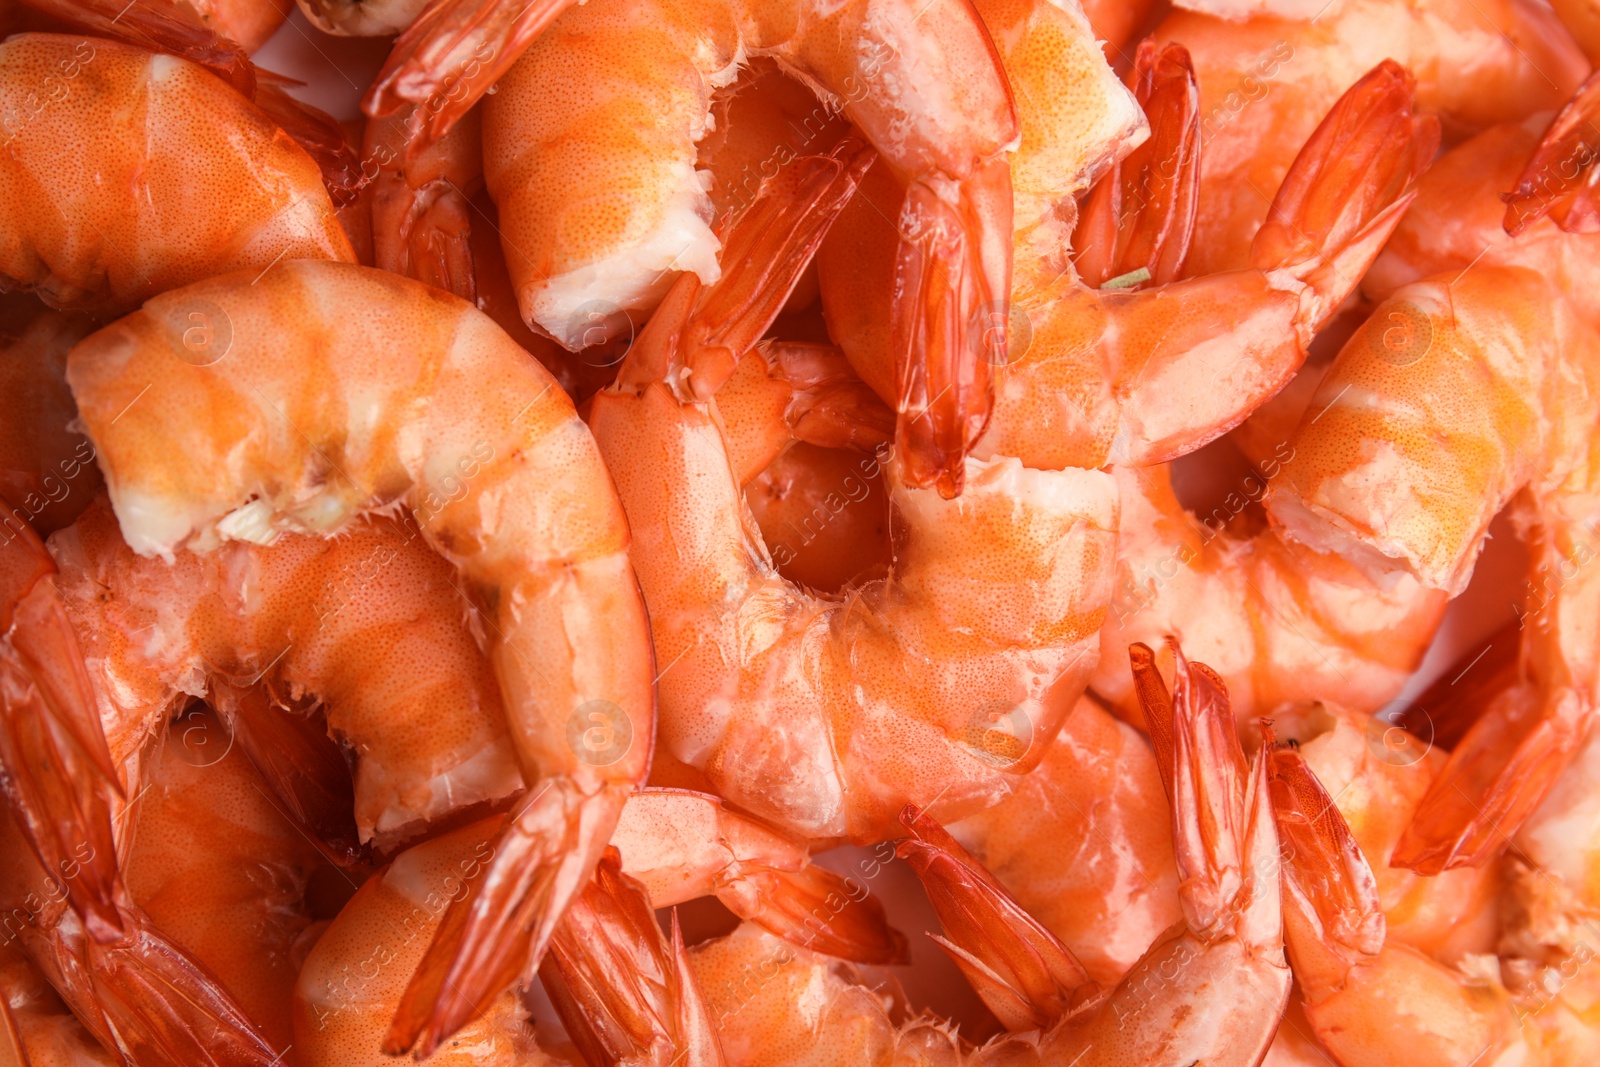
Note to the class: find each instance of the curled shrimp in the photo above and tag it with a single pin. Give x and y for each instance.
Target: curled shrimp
(457, 424)
(1370, 998)
(921, 83)
(1083, 845)
(220, 183)
(1264, 82)
(367, 626)
(816, 714)
(1093, 370)
(1213, 987)
(1503, 357)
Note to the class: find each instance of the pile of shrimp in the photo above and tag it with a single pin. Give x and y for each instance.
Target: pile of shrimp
(723, 533)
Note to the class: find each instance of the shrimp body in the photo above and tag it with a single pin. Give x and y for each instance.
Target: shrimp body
(353, 978)
(617, 95)
(419, 399)
(369, 625)
(128, 174)
(1263, 83)
(1083, 845)
(810, 712)
(36, 1028)
(221, 871)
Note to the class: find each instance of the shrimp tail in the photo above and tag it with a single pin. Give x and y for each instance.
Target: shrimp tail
(773, 242)
(301, 765)
(318, 132)
(145, 997)
(1346, 191)
(831, 406)
(949, 322)
(816, 908)
(55, 767)
(623, 993)
(158, 26)
(1443, 713)
(450, 55)
(488, 940)
(1140, 215)
(1334, 916)
(1560, 177)
(1027, 977)
(424, 233)
(698, 334)
(1493, 781)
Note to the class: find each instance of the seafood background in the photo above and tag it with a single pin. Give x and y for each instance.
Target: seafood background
(1262, 96)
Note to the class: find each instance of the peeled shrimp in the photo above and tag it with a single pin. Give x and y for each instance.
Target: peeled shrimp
(1371, 999)
(1083, 843)
(819, 715)
(368, 625)
(220, 870)
(1213, 987)
(1101, 375)
(1265, 82)
(921, 83)
(351, 981)
(502, 478)
(128, 174)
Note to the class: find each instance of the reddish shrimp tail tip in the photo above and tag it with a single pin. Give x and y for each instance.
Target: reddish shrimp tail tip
(143, 994)
(55, 767)
(1493, 781)
(1325, 870)
(818, 909)
(708, 329)
(1560, 177)
(1348, 187)
(1137, 222)
(1027, 977)
(450, 55)
(950, 322)
(487, 940)
(302, 766)
(623, 992)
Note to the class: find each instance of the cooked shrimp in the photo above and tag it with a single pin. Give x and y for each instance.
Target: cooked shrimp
(1213, 988)
(458, 424)
(1264, 82)
(36, 1028)
(623, 992)
(347, 989)
(220, 870)
(109, 146)
(368, 625)
(46, 470)
(820, 715)
(920, 81)
(777, 1005)
(135, 990)
(1093, 373)
(1369, 998)
(1083, 845)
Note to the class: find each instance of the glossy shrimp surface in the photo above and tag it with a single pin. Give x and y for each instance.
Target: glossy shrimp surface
(504, 481)
(805, 710)
(129, 173)
(940, 115)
